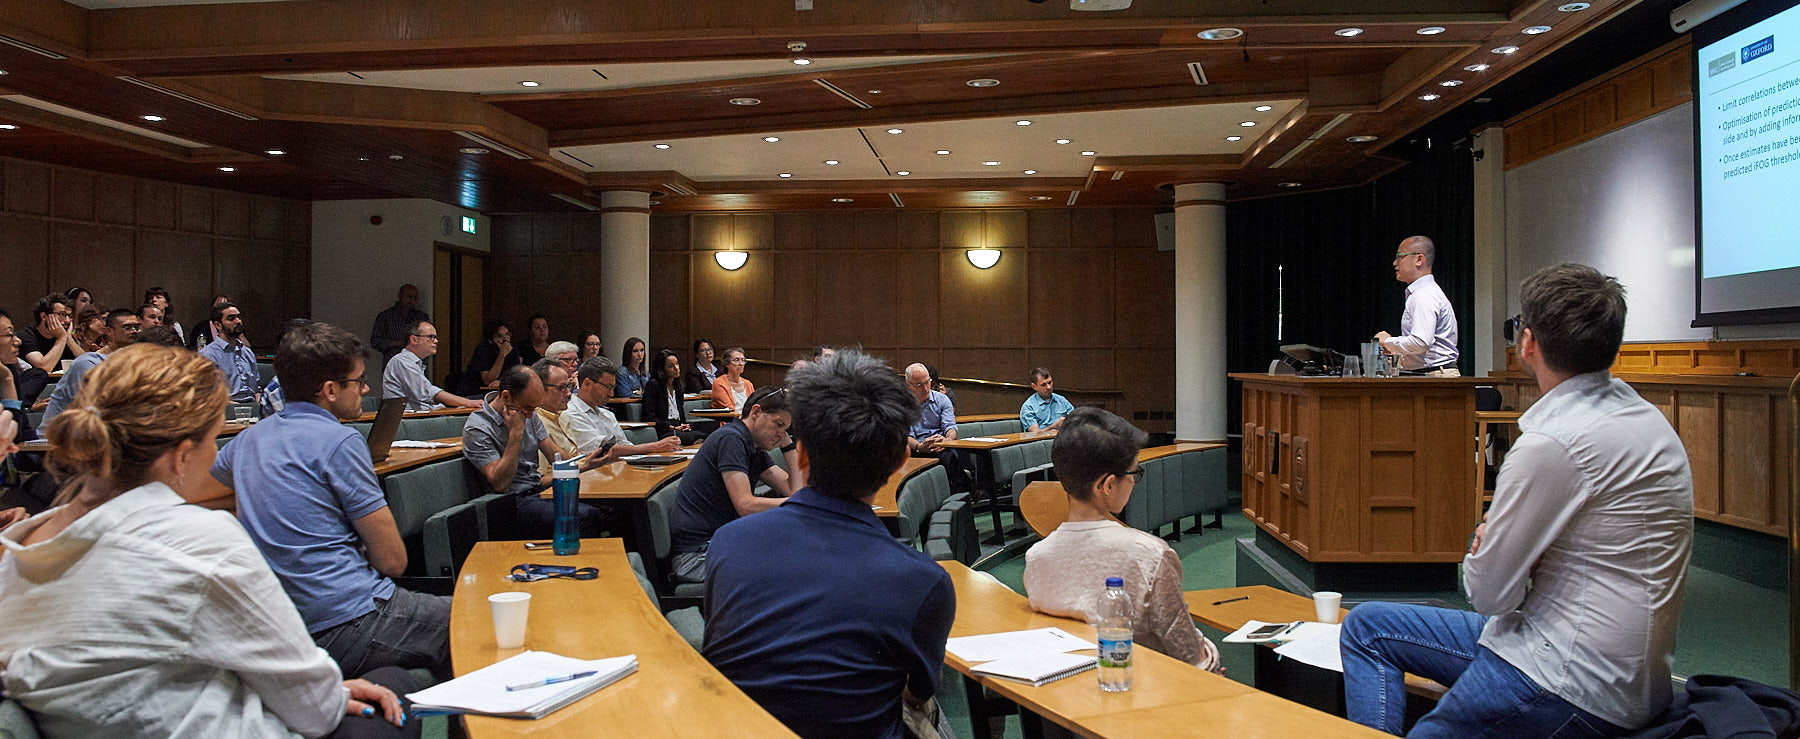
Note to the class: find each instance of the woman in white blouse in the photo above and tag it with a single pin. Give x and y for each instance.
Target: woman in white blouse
(126, 611)
(1095, 456)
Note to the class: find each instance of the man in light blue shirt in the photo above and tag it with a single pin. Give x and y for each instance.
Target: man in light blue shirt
(936, 425)
(232, 353)
(308, 497)
(122, 326)
(1044, 410)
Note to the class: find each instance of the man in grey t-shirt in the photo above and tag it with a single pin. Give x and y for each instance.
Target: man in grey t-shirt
(1577, 574)
(502, 440)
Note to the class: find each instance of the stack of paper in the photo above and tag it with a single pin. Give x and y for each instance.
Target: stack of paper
(411, 444)
(984, 439)
(1315, 644)
(485, 692)
(1035, 656)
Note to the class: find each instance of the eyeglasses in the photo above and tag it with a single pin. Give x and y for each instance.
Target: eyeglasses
(1136, 475)
(427, 337)
(358, 380)
(1404, 254)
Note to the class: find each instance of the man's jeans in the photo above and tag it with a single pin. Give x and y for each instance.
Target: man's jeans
(407, 630)
(1488, 697)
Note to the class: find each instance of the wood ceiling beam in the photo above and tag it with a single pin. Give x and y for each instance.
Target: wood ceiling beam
(53, 25)
(91, 131)
(900, 185)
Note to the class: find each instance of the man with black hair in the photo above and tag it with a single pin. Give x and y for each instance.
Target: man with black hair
(1576, 576)
(812, 608)
(231, 351)
(503, 439)
(122, 327)
(46, 342)
(718, 487)
(308, 497)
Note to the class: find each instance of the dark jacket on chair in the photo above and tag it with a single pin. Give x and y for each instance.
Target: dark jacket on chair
(1721, 706)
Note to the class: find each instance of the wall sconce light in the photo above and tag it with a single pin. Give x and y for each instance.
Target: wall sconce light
(731, 260)
(984, 258)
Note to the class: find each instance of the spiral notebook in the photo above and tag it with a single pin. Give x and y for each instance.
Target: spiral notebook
(484, 691)
(1038, 668)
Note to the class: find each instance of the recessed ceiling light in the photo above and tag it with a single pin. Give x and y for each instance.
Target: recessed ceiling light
(1449, 83)
(903, 173)
(1361, 139)
(771, 139)
(1087, 153)
(982, 82)
(1220, 34)
(1264, 108)
(228, 169)
(8, 127)
(991, 164)
(153, 118)
(745, 101)
(1030, 171)
(1040, 197)
(1430, 31)
(1572, 7)
(1476, 68)
(662, 146)
(802, 62)
(1428, 97)
(942, 152)
(874, 92)
(529, 83)
(843, 200)
(832, 162)
(4, 72)
(362, 159)
(1504, 49)
(785, 175)
(1287, 184)
(1483, 100)
(1534, 30)
(1234, 138)
(278, 152)
(396, 157)
(1248, 124)
(1348, 32)
(1062, 141)
(1022, 123)
(896, 131)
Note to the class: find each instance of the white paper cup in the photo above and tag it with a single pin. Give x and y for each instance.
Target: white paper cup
(510, 610)
(1326, 604)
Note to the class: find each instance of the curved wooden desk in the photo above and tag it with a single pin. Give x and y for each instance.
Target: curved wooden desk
(674, 693)
(405, 459)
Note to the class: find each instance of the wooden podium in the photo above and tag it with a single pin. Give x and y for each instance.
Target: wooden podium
(1354, 475)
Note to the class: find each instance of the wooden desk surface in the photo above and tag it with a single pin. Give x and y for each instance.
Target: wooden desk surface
(1253, 714)
(717, 413)
(406, 459)
(1273, 605)
(1004, 440)
(887, 499)
(1158, 452)
(635, 424)
(674, 693)
(370, 415)
(621, 481)
(1361, 383)
(627, 400)
(1501, 416)
(980, 417)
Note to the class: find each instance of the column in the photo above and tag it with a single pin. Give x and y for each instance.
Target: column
(1200, 382)
(1491, 288)
(624, 268)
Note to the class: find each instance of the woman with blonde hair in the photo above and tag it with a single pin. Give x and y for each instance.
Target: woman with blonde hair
(125, 611)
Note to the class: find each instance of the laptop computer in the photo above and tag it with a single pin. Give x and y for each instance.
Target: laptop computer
(387, 423)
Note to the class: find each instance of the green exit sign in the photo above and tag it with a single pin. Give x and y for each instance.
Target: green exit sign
(468, 225)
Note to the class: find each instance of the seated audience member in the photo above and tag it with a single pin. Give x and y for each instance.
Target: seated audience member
(19, 483)
(207, 331)
(88, 332)
(231, 351)
(161, 336)
(394, 324)
(1096, 460)
(503, 438)
(80, 300)
(121, 329)
(46, 343)
(272, 399)
(404, 375)
(935, 425)
(27, 380)
(124, 612)
(592, 426)
(590, 347)
(938, 384)
(812, 609)
(719, 486)
(488, 360)
(732, 387)
(822, 351)
(307, 495)
(150, 316)
(1044, 410)
(700, 378)
(159, 297)
(663, 405)
(565, 354)
(1576, 576)
(558, 386)
(537, 340)
(632, 374)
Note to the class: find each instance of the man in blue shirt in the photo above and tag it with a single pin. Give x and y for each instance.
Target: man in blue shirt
(813, 609)
(718, 487)
(936, 424)
(122, 326)
(1044, 410)
(232, 353)
(307, 495)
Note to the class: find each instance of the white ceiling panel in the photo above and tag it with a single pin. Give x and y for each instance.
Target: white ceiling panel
(577, 77)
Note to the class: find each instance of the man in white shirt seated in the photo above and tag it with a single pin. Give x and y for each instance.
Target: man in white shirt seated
(1577, 574)
(1427, 341)
(591, 425)
(404, 375)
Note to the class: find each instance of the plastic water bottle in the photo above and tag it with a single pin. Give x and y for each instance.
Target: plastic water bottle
(566, 490)
(1114, 627)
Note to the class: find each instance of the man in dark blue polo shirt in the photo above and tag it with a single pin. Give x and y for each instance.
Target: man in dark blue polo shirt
(813, 609)
(718, 487)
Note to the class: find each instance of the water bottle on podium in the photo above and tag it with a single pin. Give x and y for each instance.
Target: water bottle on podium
(565, 489)
(1114, 627)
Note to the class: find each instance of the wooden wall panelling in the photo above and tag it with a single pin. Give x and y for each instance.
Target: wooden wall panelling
(875, 229)
(1134, 229)
(181, 264)
(72, 194)
(27, 188)
(1335, 467)
(917, 229)
(753, 231)
(194, 211)
(1048, 229)
(1644, 87)
(550, 234)
(670, 314)
(667, 233)
(155, 204)
(1085, 368)
(982, 307)
(298, 222)
(917, 281)
(1070, 292)
(1144, 299)
(506, 295)
(115, 200)
(97, 258)
(710, 232)
(836, 231)
(1697, 422)
(1002, 229)
(858, 300)
(960, 229)
(1745, 487)
(585, 233)
(266, 218)
(511, 237)
(1092, 227)
(808, 299)
(297, 277)
(566, 290)
(796, 230)
(231, 214)
(988, 364)
(26, 243)
(1148, 380)
(735, 303)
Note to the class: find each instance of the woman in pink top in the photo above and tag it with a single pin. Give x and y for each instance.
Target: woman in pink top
(730, 390)
(1096, 461)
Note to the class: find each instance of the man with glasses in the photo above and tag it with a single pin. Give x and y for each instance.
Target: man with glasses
(559, 385)
(308, 497)
(936, 424)
(1427, 341)
(592, 426)
(404, 376)
(45, 343)
(122, 327)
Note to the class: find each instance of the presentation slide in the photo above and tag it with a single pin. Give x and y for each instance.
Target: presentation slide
(1748, 103)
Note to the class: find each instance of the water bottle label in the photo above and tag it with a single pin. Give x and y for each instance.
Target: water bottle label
(1115, 652)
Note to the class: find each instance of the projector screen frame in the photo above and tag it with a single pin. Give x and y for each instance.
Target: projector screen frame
(1713, 30)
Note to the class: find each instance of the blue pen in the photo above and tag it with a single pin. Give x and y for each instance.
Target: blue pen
(551, 681)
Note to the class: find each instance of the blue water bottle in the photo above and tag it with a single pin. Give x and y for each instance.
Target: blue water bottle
(566, 490)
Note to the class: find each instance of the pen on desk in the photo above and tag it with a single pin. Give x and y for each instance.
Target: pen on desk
(1231, 600)
(550, 681)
